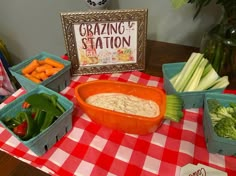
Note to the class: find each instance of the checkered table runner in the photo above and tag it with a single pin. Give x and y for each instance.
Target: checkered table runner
(91, 149)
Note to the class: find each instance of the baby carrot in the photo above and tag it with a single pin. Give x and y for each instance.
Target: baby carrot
(43, 75)
(32, 78)
(53, 63)
(30, 67)
(41, 62)
(43, 67)
(52, 71)
(33, 73)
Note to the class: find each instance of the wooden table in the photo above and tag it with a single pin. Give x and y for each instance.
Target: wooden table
(157, 53)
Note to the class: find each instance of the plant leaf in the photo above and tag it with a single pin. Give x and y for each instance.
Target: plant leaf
(178, 3)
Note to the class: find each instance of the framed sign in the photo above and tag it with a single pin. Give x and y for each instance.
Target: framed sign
(105, 41)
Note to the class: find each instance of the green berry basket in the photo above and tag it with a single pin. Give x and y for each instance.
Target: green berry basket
(194, 99)
(42, 142)
(56, 82)
(216, 144)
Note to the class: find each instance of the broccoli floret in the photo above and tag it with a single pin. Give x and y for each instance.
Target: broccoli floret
(232, 104)
(213, 105)
(218, 111)
(226, 128)
(223, 111)
(215, 118)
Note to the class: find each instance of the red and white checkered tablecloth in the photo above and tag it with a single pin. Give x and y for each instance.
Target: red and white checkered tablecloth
(91, 149)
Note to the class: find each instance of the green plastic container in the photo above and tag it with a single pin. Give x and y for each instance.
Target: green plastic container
(216, 144)
(46, 139)
(56, 82)
(194, 99)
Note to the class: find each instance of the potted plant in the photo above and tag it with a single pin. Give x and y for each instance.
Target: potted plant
(219, 43)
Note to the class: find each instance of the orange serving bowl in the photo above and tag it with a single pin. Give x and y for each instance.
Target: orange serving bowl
(116, 120)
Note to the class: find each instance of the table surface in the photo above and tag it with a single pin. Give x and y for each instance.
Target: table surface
(157, 53)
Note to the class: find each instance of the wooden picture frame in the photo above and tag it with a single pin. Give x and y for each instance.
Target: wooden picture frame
(105, 41)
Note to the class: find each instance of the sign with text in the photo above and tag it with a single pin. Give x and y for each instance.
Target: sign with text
(106, 41)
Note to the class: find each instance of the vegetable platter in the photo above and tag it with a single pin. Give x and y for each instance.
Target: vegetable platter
(56, 78)
(38, 118)
(170, 107)
(191, 80)
(219, 123)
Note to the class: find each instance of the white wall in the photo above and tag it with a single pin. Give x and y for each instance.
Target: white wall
(29, 27)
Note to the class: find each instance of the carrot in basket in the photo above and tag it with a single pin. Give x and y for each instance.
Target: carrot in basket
(32, 78)
(43, 67)
(52, 71)
(34, 73)
(43, 76)
(41, 62)
(30, 67)
(53, 63)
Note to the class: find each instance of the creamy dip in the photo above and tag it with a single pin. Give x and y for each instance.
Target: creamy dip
(125, 103)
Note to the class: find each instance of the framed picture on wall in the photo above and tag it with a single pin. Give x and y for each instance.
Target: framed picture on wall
(105, 41)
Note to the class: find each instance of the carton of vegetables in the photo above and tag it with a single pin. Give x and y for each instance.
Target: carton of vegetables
(43, 69)
(192, 80)
(39, 118)
(219, 122)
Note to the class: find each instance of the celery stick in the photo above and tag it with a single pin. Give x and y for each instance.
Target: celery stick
(174, 78)
(222, 82)
(185, 67)
(208, 80)
(187, 72)
(195, 79)
(174, 108)
(207, 69)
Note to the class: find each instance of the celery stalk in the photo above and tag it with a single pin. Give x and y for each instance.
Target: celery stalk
(207, 80)
(187, 71)
(222, 82)
(195, 79)
(207, 69)
(174, 108)
(175, 80)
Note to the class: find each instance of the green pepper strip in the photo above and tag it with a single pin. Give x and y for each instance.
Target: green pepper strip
(54, 99)
(48, 121)
(39, 118)
(43, 103)
(11, 122)
(30, 125)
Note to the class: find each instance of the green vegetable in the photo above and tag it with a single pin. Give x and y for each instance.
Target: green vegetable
(174, 107)
(21, 118)
(43, 103)
(226, 128)
(42, 112)
(196, 77)
(53, 98)
(223, 118)
(40, 117)
(11, 122)
(218, 111)
(208, 74)
(198, 74)
(48, 121)
(31, 130)
(187, 72)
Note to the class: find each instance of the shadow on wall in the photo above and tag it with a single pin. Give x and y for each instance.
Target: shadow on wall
(197, 27)
(15, 59)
